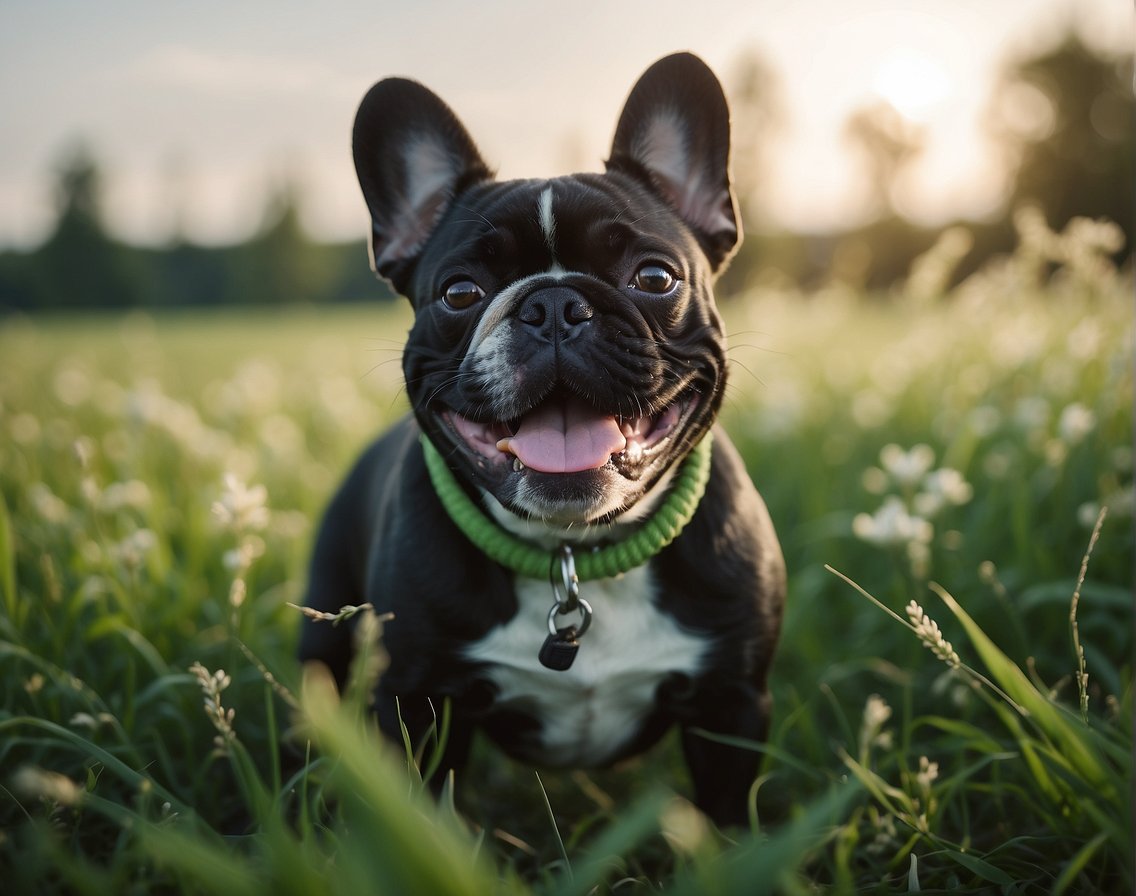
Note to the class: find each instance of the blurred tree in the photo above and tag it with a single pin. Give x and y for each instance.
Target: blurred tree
(1065, 116)
(279, 265)
(80, 265)
(758, 116)
(889, 142)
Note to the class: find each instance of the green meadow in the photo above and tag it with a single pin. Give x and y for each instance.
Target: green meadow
(950, 471)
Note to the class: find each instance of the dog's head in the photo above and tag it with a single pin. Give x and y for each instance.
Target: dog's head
(566, 353)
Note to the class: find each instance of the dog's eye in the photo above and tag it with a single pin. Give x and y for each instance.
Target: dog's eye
(653, 279)
(462, 293)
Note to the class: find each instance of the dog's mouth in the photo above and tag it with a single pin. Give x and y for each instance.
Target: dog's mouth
(564, 434)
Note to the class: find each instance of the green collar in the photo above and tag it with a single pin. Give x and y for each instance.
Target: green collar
(533, 562)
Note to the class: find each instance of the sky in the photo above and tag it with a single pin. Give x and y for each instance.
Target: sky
(197, 111)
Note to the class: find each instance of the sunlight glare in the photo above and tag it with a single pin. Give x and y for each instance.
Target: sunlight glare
(913, 83)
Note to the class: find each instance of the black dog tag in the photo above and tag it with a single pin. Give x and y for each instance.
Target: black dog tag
(559, 651)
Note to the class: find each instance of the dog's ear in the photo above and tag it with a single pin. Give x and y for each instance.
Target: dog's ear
(412, 156)
(675, 133)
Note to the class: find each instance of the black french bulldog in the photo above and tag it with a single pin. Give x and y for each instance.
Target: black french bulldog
(565, 367)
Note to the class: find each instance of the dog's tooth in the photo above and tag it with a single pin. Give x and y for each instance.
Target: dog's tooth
(505, 445)
(518, 465)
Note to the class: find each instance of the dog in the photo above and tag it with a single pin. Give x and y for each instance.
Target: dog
(570, 548)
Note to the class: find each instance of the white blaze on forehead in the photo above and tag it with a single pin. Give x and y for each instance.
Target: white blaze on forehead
(547, 220)
(506, 301)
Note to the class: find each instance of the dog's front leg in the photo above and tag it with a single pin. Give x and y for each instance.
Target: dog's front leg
(723, 774)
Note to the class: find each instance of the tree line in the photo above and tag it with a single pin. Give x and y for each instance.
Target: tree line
(1073, 158)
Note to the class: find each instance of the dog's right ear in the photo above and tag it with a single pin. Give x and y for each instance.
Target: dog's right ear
(412, 156)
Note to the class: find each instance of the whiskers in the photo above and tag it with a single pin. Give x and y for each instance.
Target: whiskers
(734, 349)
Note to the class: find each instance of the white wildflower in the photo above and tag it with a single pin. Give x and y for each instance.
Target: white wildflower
(241, 509)
(942, 488)
(892, 524)
(872, 733)
(52, 786)
(50, 507)
(241, 557)
(130, 495)
(907, 468)
(1076, 422)
(876, 712)
(84, 449)
(238, 591)
(89, 489)
(86, 720)
(132, 550)
(928, 773)
(1099, 235)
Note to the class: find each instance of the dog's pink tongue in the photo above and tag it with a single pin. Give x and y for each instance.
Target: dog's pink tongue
(566, 437)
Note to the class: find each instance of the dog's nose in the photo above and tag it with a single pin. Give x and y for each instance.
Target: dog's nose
(555, 312)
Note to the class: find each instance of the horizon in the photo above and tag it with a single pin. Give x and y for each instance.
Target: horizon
(194, 126)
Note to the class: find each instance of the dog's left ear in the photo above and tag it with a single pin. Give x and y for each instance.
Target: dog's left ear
(675, 133)
(413, 156)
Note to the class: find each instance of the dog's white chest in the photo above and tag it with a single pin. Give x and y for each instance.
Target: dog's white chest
(590, 710)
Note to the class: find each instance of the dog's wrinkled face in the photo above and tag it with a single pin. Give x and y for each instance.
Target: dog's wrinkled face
(566, 352)
(567, 355)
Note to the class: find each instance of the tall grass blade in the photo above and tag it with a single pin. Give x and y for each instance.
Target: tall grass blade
(980, 867)
(64, 736)
(555, 829)
(7, 563)
(404, 841)
(213, 868)
(1077, 864)
(763, 865)
(1073, 742)
(632, 826)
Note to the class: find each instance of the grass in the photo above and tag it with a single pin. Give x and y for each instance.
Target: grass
(953, 701)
